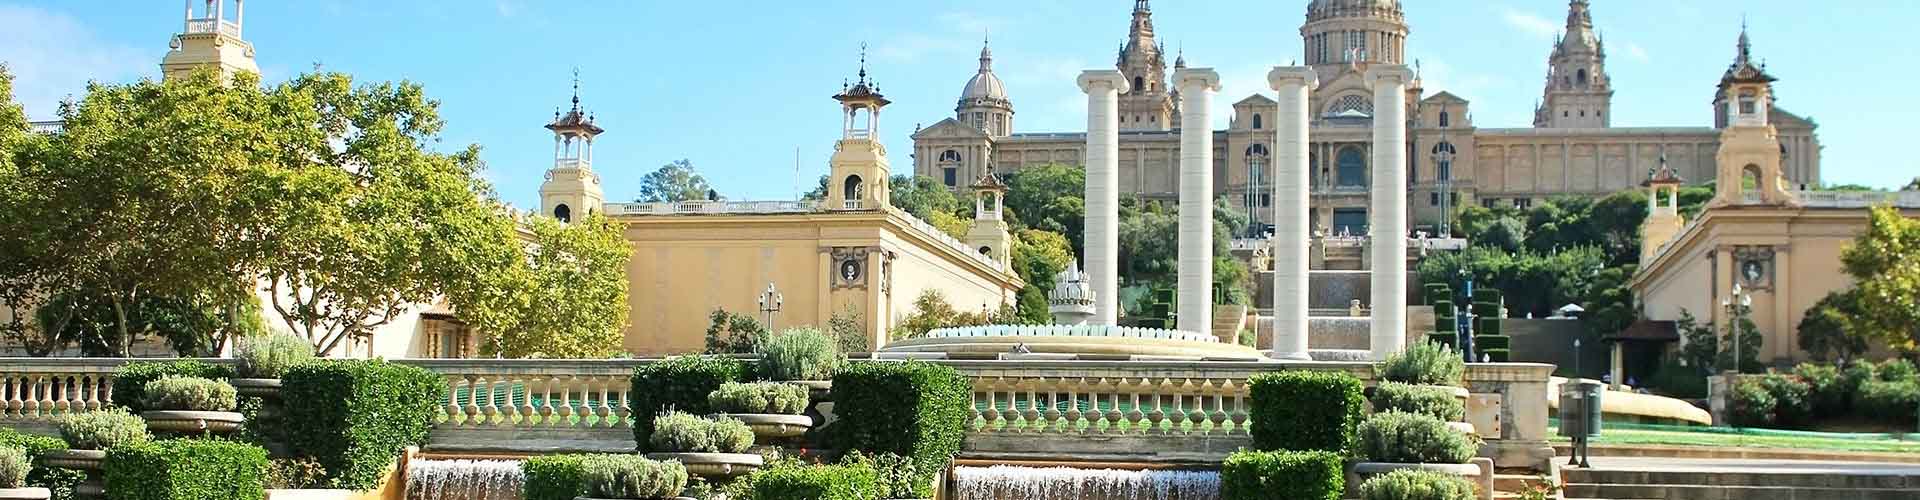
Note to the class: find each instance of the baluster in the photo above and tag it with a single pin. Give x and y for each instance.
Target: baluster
(451, 410)
(33, 394)
(976, 420)
(623, 392)
(1238, 411)
(1110, 422)
(473, 400)
(106, 391)
(1218, 418)
(1073, 405)
(605, 410)
(1051, 392)
(92, 394)
(509, 394)
(545, 408)
(566, 401)
(9, 388)
(1180, 421)
(1031, 417)
(1137, 415)
(527, 409)
(1157, 413)
(69, 398)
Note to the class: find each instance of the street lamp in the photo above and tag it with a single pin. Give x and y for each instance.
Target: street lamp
(770, 302)
(1464, 313)
(1740, 298)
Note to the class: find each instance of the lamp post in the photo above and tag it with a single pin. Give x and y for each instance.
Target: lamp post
(770, 302)
(1443, 175)
(1739, 299)
(1465, 315)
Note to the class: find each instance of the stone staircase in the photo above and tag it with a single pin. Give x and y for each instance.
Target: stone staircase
(1758, 480)
(1228, 320)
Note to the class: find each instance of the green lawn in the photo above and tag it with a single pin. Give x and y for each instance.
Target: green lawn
(1723, 439)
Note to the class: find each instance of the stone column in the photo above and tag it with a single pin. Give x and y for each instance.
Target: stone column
(1197, 86)
(1387, 220)
(1292, 227)
(1102, 233)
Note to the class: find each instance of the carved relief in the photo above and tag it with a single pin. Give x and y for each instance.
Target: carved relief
(850, 267)
(1753, 267)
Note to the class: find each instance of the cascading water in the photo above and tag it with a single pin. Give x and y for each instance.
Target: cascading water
(464, 480)
(1002, 482)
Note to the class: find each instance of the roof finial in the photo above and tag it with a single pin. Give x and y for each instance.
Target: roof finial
(863, 63)
(576, 88)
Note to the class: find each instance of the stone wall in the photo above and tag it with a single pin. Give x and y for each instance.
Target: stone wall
(1550, 341)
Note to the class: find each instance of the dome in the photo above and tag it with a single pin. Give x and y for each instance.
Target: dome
(1322, 9)
(985, 86)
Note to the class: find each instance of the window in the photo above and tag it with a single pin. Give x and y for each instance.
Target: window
(1489, 202)
(1566, 114)
(1320, 45)
(951, 176)
(1266, 200)
(1583, 113)
(851, 189)
(1139, 84)
(1352, 166)
(1256, 121)
(1356, 45)
(563, 213)
(1350, 221)
(1433, 199)
(1523, 203)
(950, 155)
(1581, 77)
(1446, 119)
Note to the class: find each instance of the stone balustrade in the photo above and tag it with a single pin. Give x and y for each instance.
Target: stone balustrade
(1066, 410)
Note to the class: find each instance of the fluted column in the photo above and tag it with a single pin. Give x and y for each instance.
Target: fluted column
(1292, 226)
(1387, 220)
(1197, 86)
(1102, 233)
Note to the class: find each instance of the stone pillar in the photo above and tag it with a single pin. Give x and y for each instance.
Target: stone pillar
(1102, 233)
(1388, 217)
(1292, 226)
(1197, 86)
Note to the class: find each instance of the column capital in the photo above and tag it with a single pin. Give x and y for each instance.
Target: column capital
(1292, 75)
(1206, 78)
(1093, 79)
(1391, 74)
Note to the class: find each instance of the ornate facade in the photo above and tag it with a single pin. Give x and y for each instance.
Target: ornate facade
(1571, 149)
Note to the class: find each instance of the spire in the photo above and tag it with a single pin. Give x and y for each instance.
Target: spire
(986, 55)
(1140, 34)
(576, 89)
(1180, 62)
(1579, 32)
(1746, 44)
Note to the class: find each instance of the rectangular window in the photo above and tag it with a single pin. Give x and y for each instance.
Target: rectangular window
(1523, 203)
(1350, 221)
(1489, 202)
(951, 176)
(1433, 199)
(1266, 200)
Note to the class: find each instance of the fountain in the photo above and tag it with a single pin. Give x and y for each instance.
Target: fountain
(464, 480)
(1001, 482)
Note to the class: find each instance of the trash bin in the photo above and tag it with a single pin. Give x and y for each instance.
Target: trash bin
(1580, 415)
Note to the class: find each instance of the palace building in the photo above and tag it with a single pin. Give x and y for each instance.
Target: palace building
(1571, 148)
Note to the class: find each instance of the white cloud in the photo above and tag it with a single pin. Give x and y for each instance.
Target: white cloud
(52, 56)
(1637, 53)
(506, 8)
(1529, 23)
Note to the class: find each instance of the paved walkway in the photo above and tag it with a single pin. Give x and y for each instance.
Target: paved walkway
(1646, 464)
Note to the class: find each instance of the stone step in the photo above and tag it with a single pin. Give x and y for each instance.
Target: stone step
(1706, 492)
(1515, 482)
(1741, 478)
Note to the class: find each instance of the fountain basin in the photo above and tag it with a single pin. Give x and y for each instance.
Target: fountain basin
(74, 459)
(25, 493)
(217, 422)
(1072, 342)
(768, 425)
(714, 465)
(256, 387)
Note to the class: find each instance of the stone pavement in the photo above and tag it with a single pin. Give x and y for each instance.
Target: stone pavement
(1623, 478)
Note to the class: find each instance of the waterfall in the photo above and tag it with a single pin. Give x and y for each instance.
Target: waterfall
(464, 480)
(1002, 482)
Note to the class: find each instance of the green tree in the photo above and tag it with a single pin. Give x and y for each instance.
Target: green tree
(1038, 256)
(1699, 344)
(1616, 221)
(1049, 197)
(32, 269)
(1609, 301)
(1885, 265)
(1826, 332)
(1749, 345)
(931, 310)
(1851, 187)
(567, 298)
(1231, 217)
(672, 183)
(925, 196)
(1505, 233)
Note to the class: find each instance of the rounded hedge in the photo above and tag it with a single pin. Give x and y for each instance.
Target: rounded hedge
(1303, 410)
(1753, 405)
(103, 430)
(130, 380)
(758, 397)
(817, 482)
(174, 392)
(1431, 401)
(1292, 475)
(1408, 484)
(1425, 363)
(679, 383)
(1396, 437)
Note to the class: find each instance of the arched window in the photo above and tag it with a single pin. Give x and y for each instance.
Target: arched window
(1446, 119)
(1256, 121)
(852, 188)
(950, 155)
(986, 250)
(1351, 168)
(1581, 77)
(1443, 154)
(1139, 84)
(563, 213)
(1351, 104)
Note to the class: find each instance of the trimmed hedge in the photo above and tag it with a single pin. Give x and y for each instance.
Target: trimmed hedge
(912, 409)
(554, 477)
(680, 383)
(819, 482)
(355, 417)
(1408, 438)
(1430, 401)
(1827, 391)
(1891, 402)
(1408, 484)
(61, 481)
(1753, 405)
(130, 380)
(1492, 342)
(1793, 407)
(187, 469)
(1306, 410)
(1289, 475)
(1424, 363)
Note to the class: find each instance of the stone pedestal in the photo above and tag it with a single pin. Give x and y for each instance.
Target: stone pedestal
(1197, 86)
(1102, 233)
(1292, 232)
(1387, 219)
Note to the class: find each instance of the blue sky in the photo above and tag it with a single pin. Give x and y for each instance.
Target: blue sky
(739, 87)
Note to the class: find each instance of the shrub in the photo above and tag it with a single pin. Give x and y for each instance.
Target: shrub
(1292, 475)
(356, 416)
(1898, 370)
(175, 392)
(913, 409)
(1891, 402)
(1828, 394)
(1305, 410)
(187, 469)
(1409, 484)
(678, 432)
(895, 475)
(818, 482)
(632, 476)
(680, 383)
(554, 477)
(102, 430)
(758, 397)
(1792, 407)
(14, 466)
(731, 333)
(295, 474)
(60, 481)
(1430, 401)
(800, 354)
(1413, 439)
(1752, 405)
(130, 380)
(1425, 363)
(270, 356)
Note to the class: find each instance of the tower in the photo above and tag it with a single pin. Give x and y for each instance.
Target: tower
(860, 171)
(210, 41)
(1149, 105)
(1578, 94)
(1341, 34)
(989, 230)
(1663, 211)
(1750, 153)
(984, 103)
(572, 187)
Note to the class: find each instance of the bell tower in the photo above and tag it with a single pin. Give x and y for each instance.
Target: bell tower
(1750, 151)
(1663, 211)
(209, 39)
(1149, 103)
(1579, 93)
(989, 233)
(860, 169)
(572, 189)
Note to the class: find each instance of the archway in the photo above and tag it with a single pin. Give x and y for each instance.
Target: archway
(852, 189)
(563, 213)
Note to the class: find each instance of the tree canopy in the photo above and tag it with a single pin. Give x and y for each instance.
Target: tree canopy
(674, 182)
(570, 293)
(1885, 265)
